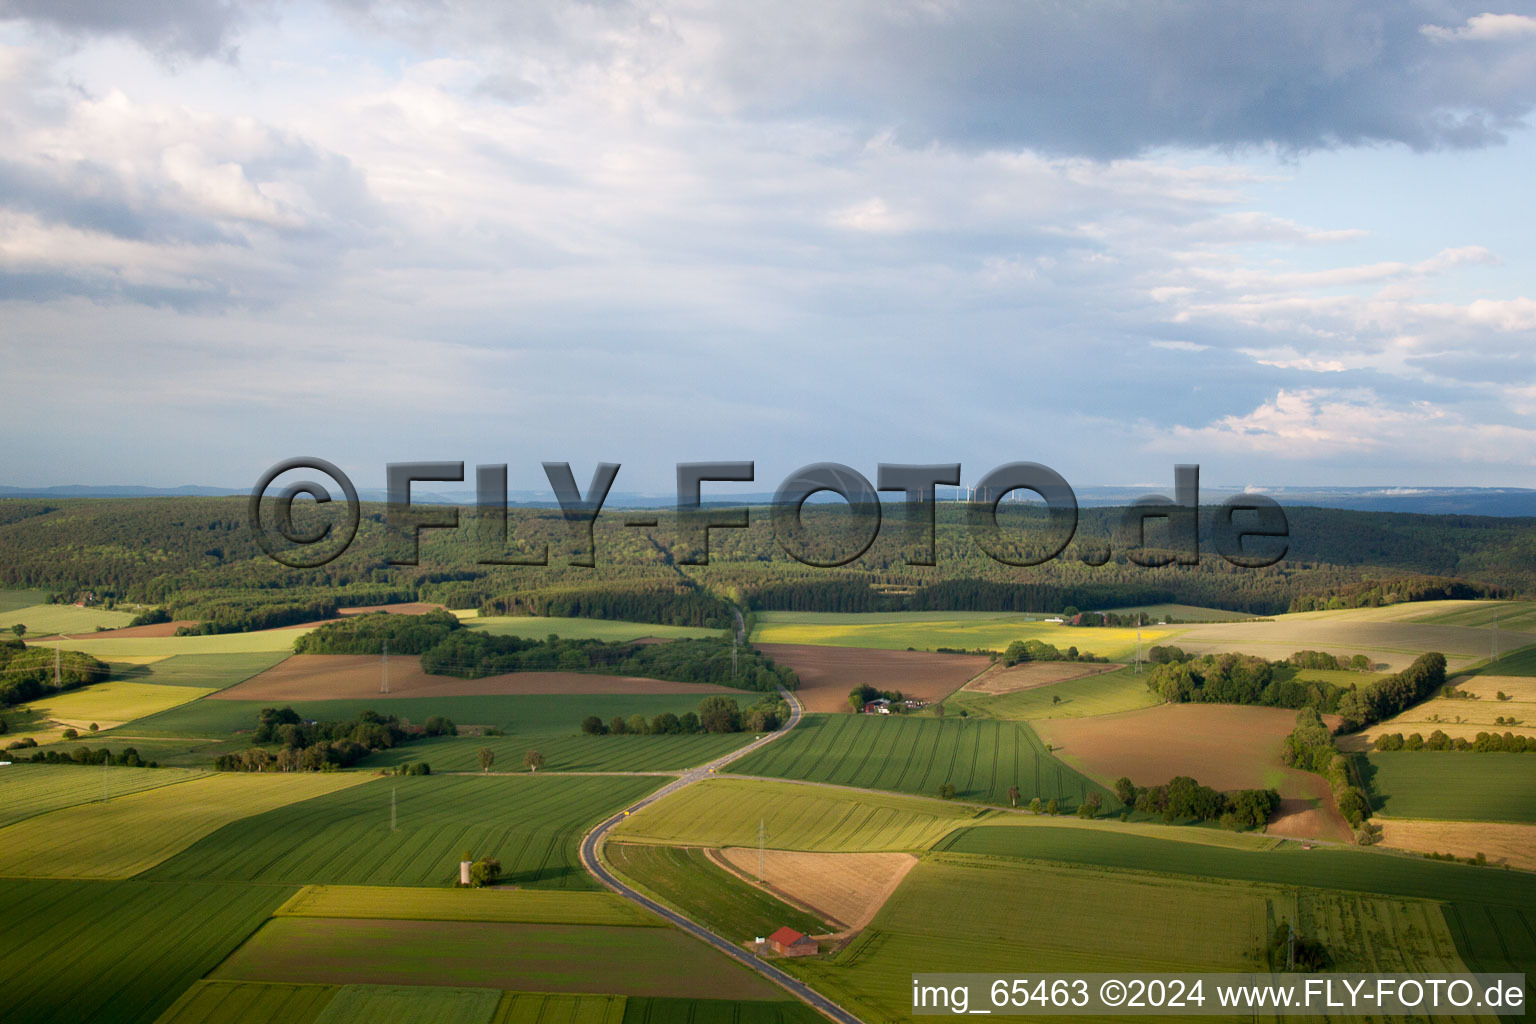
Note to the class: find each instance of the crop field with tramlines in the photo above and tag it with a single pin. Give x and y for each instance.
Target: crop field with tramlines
(412, 831)
(1452, 785)
(982, 759)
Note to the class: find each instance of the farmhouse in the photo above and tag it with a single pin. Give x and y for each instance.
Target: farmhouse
(788, 942)
(878, 706)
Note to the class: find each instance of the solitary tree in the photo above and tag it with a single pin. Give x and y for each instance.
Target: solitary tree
(487, 758)
(533, 760)
(1052, 808)
(947, 791)
(1055, 698)
(1013, 796)
(593, 726)
(19, 629)
(1035, 806)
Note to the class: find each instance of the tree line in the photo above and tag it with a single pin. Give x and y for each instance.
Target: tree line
(1184, 799)
(1482, 743)
(323, 746)
(717, 713)
(1310, 747)
(30, 673)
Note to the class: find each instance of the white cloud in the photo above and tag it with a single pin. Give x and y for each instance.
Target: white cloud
(1485, 28)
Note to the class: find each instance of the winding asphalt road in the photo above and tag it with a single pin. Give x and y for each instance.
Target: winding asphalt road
(594, 839)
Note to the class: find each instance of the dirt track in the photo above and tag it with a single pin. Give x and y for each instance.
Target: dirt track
(358, 677)
(828, 673)
(1219, 745)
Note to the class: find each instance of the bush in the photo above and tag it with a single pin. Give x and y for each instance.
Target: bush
(484, 871)
(70, 734)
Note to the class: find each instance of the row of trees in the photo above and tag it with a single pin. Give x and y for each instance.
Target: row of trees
(717, 713)
(1310, 747)
(1020, 651)
(127, 758)
(1184, 799)
(1482, 743)
(323, 746)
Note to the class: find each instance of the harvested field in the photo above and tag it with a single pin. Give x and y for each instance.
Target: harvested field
(828, 673)
(1220, 745)
(1458, 717)
(1000, 679)
(1393, 642)
(358, 677)
(849, 888)
(1514, 845)
(518, 957)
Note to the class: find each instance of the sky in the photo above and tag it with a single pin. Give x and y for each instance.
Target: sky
(1289, 241)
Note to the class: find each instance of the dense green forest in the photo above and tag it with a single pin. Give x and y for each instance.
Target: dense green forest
(197, 558)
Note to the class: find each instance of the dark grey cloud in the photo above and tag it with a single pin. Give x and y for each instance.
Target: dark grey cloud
(198, 28)
(1120, 76)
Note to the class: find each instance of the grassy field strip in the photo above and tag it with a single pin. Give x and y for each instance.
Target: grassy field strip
(593, 959)
(1376, 933)
(47, 619)
(110, 704)
(31, 789)
(133, 833)
(531, 823)
(931, 631)
(1452, 785)
(116, 952)
(1519, 662)
(662, 1010)
(684, 878)
(727, 812)
(537, 628)
(558, 1008)
(11, 600)
(1086, 696)
(368, 1004)
(115, 648)
(234, 1002)
(520, 906)
(216, 671)
(982, 759)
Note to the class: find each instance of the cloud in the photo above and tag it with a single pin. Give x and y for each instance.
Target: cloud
(1485, 28)
(198, 28)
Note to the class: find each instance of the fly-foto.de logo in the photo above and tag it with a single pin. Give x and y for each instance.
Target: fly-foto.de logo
(1239, 518)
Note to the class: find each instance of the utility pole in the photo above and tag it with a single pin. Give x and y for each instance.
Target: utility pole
(58, 683)
(735, 647)
(1138, 649)
(761, 836)
(384, 668)
(392, 808)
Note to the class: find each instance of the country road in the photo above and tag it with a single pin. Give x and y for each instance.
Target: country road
(594, 839)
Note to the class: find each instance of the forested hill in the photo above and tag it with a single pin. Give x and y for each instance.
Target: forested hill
(198, 558)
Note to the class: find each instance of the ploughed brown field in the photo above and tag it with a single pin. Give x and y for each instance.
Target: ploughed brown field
(1223, 746)
(1031, 674)
(403, 608)
(357, 677)
(828, 673)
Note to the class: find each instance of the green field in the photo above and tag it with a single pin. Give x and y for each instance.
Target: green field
(727, 812)
(31, 789)
(594, 959)
(47, 619)
(1050, 919)
(1181, 612)
(1451, 784)
(124, 836)
(116, 952)
(559, 1008)
(926, 631)
(705, 892)
(114, 648)
(907, 754)
(1516, 663)
(517, 906)
(549, 723)
(661, 1010)
(12, 600)
(1103, 694)
(538, 628)
(230, 1002)
(530, 823)
(209, 671)
(1519, 615)
(369, 1004)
